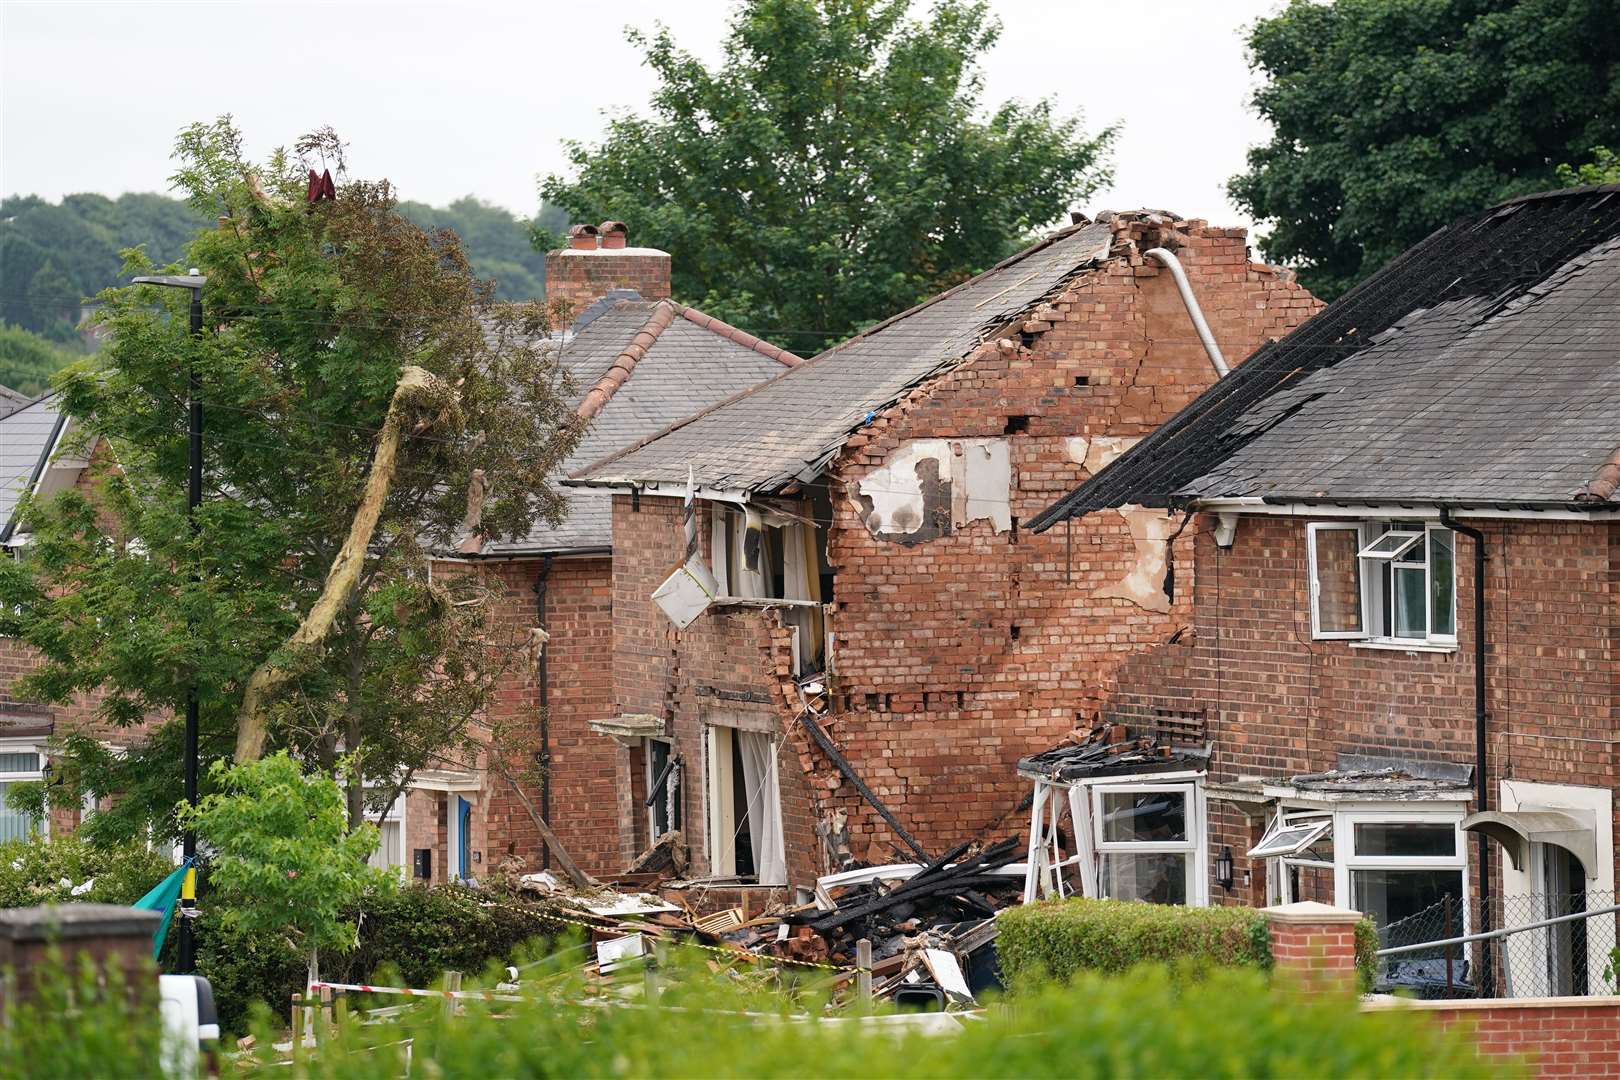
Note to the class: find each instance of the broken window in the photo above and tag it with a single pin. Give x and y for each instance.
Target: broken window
(663, 788)
(1382, 581)
(766, 554)
(1150, 839)
(745, 807)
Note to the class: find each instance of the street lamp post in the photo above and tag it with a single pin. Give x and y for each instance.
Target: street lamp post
(194, 427)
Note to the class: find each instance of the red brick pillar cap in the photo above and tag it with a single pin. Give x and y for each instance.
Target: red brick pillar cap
(1310, 913)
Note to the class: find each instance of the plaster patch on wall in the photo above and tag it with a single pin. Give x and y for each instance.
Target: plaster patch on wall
(928, 487)
(1144, 585)
(1076, 446)
(1105, 448)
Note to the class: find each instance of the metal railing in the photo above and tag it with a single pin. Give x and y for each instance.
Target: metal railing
(1539, 945)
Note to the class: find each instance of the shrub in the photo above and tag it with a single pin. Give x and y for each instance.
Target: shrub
(1145, 1024)
(417, 933)
(1059, 939)
(40, 871)
(81, 1022)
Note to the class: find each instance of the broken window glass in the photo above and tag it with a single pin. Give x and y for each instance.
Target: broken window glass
(1154, 877)
(1335, 580)
(1139, 817)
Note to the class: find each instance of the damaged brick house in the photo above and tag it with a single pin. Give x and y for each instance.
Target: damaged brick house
(1405, 634)
(637, 361)
(879, 595)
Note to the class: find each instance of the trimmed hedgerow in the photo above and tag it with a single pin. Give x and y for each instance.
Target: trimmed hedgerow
(1057, 940)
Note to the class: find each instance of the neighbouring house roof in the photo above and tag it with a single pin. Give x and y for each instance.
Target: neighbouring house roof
(636, 366)
(787, 430)
(27, 437)
(1478, 370)
(12, 400)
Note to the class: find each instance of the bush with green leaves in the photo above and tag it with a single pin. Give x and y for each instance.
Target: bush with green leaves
(82, 1021)
(66, 869)
(414, 934)
(1233, 1024)
(1058, 939)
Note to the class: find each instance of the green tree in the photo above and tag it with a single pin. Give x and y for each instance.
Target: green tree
(313, 312)
(27, 360)
(1602, 168)
(834, 168)
(498, 243)
(1392, 117)
(282, 858)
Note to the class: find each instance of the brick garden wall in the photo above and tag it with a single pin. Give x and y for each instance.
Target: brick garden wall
(962, 653)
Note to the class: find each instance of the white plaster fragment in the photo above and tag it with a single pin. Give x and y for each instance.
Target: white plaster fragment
(1144, 585)
(1076, 446)
(1105, 448)
(979, 472)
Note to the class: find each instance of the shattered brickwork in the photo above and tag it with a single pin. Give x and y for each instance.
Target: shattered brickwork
(971, 645)
(723, 669)
(583, 772)
(1280, 704)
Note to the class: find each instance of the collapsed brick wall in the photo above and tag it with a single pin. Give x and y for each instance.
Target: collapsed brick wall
(1281, 704)
(722, 669)
(961, 649)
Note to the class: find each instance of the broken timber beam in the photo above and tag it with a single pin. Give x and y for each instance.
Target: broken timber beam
(867, 793)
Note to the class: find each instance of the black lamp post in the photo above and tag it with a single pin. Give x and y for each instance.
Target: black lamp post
(194, 427)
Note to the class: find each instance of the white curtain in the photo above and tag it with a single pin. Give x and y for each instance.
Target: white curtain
(758, 754)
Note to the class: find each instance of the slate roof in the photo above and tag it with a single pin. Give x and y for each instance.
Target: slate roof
(787, 429)
(661, 361)
(26, 438)
(11, 400)
(1480, 369)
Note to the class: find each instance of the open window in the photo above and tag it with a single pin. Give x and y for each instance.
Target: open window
(663, 787)
(745, 807)
(775, 558)
(1289, 838)
(1391, 582)
(1150, 842)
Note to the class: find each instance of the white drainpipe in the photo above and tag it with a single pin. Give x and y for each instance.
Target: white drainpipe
(1167, 258)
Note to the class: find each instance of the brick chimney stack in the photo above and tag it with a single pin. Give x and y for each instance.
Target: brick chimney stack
(598, 260)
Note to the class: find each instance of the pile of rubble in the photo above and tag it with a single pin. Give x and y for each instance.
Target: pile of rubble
(920, 934)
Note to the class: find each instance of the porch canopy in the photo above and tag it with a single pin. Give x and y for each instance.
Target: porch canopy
(1516, 830)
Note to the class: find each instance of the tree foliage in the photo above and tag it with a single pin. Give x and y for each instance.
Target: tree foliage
(835, 167)
(500, 245)
(28, 360)
(281, 856)
(313, 310)
(1391, 118)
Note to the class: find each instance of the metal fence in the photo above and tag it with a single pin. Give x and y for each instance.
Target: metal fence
(1538, 945)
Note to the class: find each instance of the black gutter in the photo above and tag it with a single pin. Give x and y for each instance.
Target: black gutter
(1482, 785)
(543, 677)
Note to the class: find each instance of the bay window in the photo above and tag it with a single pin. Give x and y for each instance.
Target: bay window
(1389, 582)
(1150, 842)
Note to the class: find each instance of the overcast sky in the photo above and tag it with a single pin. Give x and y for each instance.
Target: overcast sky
(447, 99)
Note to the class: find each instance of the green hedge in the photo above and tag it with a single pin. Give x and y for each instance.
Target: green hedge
(1059, 939)
(415, 933)
(40, 871)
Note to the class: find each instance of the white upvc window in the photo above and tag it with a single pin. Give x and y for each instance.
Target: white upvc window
(1389, 864)
(391, 850)
(663, 787)
(1150, 842)
(1387, 582)
(19, 762)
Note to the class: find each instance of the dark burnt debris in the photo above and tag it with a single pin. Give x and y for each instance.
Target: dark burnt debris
(1110, 750)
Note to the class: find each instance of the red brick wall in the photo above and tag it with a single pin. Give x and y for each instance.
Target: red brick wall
(960, 654)
(582, 277)
(721, 667)
(1280, 703)
(1577, 1037)
(578, 617)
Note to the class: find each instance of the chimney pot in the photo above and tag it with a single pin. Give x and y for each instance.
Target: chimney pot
(614, 234)
(582, 237)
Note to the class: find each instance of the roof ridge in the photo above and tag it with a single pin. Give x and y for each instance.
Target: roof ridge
(1019, 256)
(619, 372)
(741, 337)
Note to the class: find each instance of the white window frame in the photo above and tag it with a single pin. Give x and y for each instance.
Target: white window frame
(1346, 861)
(28, 746)
(1311, 532)
(1195, 846)
(1372, 570)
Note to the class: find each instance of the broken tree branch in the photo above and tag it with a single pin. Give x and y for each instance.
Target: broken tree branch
(415, 388)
